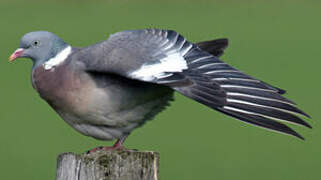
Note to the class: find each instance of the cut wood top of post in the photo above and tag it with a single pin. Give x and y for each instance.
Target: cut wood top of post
(122, 164)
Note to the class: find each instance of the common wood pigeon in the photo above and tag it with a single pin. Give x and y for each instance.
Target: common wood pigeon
(108, 89)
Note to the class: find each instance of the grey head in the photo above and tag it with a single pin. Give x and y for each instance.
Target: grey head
(39, 46)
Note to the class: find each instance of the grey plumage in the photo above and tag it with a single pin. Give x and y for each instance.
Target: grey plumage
(50, 46)
(108, 89)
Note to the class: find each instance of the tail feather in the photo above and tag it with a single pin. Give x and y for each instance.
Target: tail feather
(215, 47)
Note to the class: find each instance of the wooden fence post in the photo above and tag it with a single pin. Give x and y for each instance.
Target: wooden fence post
(108, 165)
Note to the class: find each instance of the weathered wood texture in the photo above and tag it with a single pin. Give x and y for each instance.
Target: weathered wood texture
(108, 165)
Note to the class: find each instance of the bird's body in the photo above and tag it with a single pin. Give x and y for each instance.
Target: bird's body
(108, 89)
(83, 99)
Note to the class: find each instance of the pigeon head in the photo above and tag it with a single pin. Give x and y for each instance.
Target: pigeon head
(39, 46)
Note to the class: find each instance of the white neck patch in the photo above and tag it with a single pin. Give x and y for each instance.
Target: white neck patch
(58, 59)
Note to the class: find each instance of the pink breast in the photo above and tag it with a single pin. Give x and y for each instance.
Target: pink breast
(62, 88)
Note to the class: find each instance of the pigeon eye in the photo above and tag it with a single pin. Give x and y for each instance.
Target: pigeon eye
(36, 43)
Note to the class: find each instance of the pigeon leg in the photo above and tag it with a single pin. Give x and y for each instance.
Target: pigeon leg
(118, 145)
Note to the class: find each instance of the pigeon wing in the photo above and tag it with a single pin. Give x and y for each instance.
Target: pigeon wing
(165, 57)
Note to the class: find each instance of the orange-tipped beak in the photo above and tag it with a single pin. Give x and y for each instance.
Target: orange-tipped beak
(16, 54)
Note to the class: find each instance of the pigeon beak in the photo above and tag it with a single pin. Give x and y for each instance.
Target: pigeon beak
(16, 54)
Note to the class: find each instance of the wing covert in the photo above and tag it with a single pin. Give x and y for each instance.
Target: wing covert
(145, 55)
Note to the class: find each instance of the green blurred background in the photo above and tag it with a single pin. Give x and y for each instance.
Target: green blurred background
(276, 41)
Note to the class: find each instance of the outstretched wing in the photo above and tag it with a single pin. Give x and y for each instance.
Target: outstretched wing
(167, 58)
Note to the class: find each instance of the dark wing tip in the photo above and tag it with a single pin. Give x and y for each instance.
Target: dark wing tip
(298, 136)
(308, 125)
(305, 114)
(261, 121)
(281, 91)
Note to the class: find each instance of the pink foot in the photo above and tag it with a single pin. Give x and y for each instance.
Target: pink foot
(117, 146)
